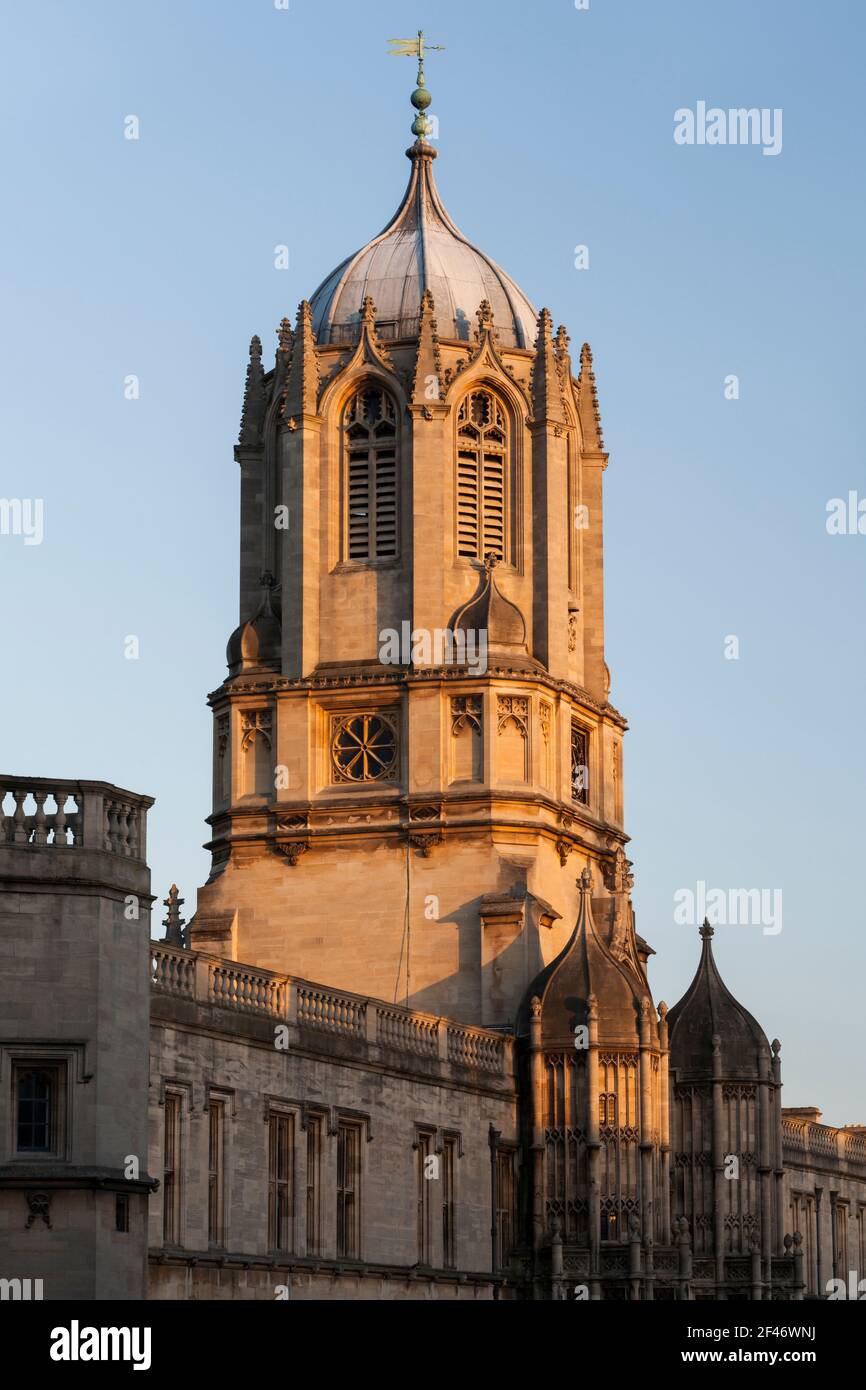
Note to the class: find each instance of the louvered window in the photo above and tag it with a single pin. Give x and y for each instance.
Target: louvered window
(482, 478)
(370, 435)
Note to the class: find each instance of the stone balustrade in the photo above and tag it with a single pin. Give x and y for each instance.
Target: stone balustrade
(474, 1047)
(406, 1031)
(173, 972)
(237, 987)
(46, 812)
(208, 980)
(845, 1148)
(335, 1013)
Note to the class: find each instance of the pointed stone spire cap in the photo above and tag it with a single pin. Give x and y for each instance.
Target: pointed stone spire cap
(173, 922)
(491, 612)
(256, 645)
(586, 980)
(708, 1014)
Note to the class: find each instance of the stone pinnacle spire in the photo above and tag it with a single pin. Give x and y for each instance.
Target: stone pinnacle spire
(173, 923)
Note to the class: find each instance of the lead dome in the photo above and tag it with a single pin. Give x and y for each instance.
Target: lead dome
(421, 249)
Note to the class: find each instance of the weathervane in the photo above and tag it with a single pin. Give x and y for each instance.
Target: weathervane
(420, 98)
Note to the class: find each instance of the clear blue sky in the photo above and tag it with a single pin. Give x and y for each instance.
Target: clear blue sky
(155, 258)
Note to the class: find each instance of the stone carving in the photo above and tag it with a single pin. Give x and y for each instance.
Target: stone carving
(39, 1206)
(544, 719)
(293, 849)
(513, 707)
(466, 709)
(253, 723)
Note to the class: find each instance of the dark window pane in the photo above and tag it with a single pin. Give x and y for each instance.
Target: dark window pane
(35, 1110)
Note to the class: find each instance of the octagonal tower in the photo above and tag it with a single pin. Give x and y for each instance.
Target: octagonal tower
(414, 751)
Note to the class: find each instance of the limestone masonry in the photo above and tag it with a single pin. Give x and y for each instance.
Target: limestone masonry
(406, 1046)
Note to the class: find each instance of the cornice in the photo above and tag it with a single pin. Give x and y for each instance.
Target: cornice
(347, 679)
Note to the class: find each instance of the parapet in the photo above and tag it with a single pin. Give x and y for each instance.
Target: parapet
(55, 832)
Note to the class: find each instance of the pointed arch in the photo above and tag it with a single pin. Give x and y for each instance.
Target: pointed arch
(484, 486)
(370, 472)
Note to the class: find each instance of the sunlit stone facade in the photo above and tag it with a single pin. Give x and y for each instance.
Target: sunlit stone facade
(406, 1047)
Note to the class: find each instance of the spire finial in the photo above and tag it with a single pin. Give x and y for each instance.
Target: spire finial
(173, 923)
(420, 98)
(706, 931)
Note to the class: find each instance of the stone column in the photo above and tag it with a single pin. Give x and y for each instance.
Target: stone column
(756, 1270)
(550, 523)
(819, 1243)
(718, 1167)
(493, 1137)
(647, 1121)
(834, 1252)
(766, 1156)
(665, 1101)
(536, 1068)
(779, 1174)
(301, 492)
(593, 1145)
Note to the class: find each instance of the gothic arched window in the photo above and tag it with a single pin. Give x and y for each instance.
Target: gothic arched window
(370, 475)
(482, 477)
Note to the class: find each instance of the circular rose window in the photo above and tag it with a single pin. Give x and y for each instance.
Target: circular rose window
(364, 748)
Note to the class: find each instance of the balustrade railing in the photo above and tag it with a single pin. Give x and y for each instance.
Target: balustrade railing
(336, 1013)
(230, 985)
(235, 987)
(471, 1047)
(803, 1141)
(407, 1032)
(45, 811)
(172, 972)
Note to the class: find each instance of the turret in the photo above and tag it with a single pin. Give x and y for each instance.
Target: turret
(726, 1131)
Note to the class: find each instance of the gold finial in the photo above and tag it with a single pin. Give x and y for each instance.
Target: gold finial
(420, 98)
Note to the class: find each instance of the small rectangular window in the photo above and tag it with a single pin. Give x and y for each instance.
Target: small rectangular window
(37, 1108)
(426, 1170)
(281, 1144)
(449, 1174)
(216, 1173)
(348, 1190)
(314, 1184)
(506, 1203)
(171, 1170)
(121, 1213)
(841, 1270)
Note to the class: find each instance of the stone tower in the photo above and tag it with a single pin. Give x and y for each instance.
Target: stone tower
(726, 1101)
(414, 752)
(596, 1127)
(74, 933)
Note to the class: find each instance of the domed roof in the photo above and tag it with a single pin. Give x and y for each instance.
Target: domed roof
(421, 249)
(586, 967)
(257, 643)
(708, 1010)
(490, 612)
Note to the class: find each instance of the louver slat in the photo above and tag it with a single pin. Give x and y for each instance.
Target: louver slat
(371, 498)
(482, 478)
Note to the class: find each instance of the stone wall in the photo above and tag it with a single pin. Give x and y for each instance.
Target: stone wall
(266, 1044)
